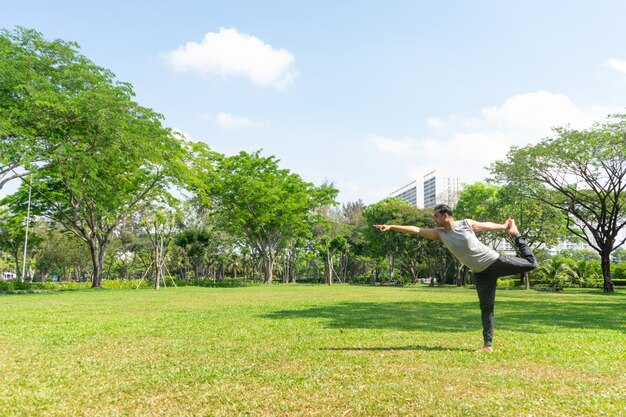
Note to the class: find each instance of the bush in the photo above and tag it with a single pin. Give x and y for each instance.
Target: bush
(508, 283)
(595, 283)
(546, 287)
(15, 285)
(228, 283)
(619, 270)
(59, 286)
(122, 284)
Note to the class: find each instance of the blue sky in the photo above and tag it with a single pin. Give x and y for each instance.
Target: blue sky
(369, 95)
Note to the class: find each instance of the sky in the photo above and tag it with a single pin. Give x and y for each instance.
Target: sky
(368, 95)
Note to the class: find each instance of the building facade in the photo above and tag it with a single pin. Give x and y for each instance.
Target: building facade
(411, 193)
(431, 190)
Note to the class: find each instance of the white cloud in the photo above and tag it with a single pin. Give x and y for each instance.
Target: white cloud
(229, 121)
(350, 190)
(231, 53)
(536, 113)
(436, 123)
(394, 146)
(463, 146)
(618, 65)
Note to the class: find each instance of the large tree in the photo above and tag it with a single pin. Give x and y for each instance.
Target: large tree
(582, 173)
(110, 154)
(41, 83)
(265, 205)
(397, 247)
(540, 223)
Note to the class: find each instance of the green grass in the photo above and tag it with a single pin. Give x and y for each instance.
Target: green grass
(288, 350)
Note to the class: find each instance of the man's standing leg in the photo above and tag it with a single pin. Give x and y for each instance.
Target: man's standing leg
(486, 287)
(486, 281)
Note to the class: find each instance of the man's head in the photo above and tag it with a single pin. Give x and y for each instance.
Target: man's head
(441, 214)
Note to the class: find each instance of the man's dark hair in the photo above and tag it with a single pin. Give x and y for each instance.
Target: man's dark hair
(443, 209)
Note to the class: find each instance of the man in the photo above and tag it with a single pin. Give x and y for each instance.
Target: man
(485, 263)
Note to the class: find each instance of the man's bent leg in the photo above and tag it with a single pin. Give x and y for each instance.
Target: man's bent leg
(524, 251)
(511, 265)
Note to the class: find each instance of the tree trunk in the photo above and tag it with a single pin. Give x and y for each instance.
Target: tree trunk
(307, 270)
(97, 250)
(292, 270)
(329, 268)
(18, 273)
(286, 271)
(158, 267)
(605, 257)
(220, 272)
(268, 264)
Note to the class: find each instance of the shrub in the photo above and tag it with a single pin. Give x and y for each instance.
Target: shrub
(508, 283)
(210, 283)
(59, 286)
(619, 270)
(122, 284)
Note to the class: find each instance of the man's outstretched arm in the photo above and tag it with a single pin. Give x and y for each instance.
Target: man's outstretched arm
(432, 234)
(487, 226)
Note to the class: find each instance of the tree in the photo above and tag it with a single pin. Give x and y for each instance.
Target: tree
(110, 155)
(398, 247)
(352, 260)
(540, 223)
(62, 255)
(42, 86)
(582, 173)
(195, 244)
(264, 205)
(557, 271)
(328, 248)
(12, 237)
(159, 222)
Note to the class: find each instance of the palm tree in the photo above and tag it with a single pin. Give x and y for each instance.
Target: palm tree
(556, 272)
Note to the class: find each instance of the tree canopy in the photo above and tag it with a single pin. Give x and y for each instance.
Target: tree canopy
(264, 204)
(581, 173)
(102, 152)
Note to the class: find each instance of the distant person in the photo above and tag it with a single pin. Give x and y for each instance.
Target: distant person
(485, 263)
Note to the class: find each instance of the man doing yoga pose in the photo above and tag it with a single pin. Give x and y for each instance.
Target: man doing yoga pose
(485, 263)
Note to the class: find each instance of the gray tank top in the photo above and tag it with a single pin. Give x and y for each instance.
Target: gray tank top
(466, 247)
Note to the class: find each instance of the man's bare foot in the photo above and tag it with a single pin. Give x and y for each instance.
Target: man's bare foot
(511, 227)
(484, 349)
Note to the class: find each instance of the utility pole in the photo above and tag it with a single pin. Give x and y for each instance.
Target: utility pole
(30, 188)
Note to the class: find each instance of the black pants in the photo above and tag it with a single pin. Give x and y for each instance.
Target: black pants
(486, 281)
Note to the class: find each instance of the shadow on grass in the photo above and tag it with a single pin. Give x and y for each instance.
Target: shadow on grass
(531, 316)
(400, 348)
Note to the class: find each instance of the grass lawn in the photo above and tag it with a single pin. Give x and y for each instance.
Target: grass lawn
(298, 350)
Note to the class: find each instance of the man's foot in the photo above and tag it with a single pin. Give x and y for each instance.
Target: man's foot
(511, 227)
(484, 349)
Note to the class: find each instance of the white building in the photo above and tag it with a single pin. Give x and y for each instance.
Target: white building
(412, 192)
(430, 191)
(8, 275)
(441, 190)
